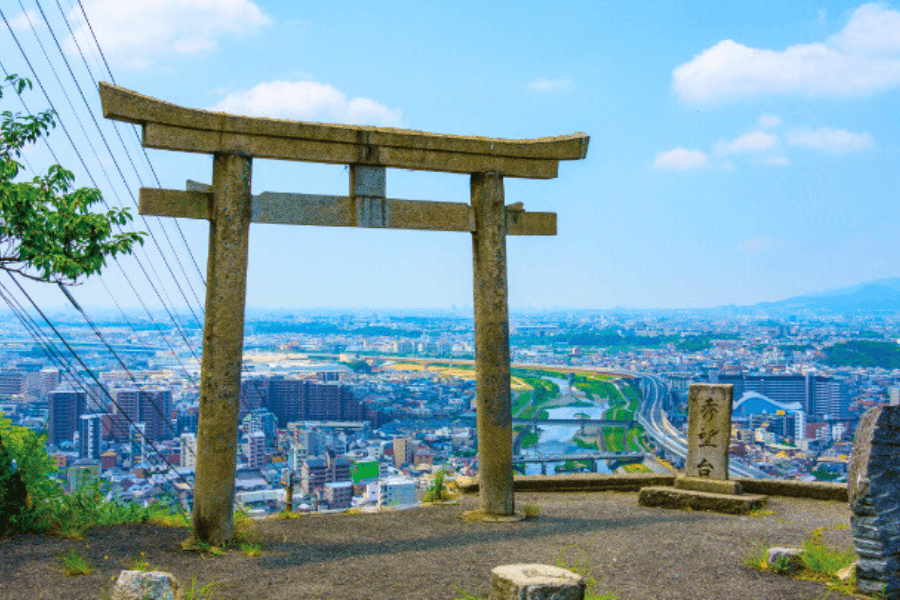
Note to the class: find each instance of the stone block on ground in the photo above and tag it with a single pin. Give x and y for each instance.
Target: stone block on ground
(535, 582)
(146, 585)
(784, 560)
(666, 497)
(706, 484)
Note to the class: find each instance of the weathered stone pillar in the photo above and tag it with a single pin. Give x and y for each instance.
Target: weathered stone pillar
(223, 345)
(494, 410)
(873, 487)
(709, 440)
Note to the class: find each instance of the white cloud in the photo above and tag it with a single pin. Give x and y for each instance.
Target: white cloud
(768, 121)
(137, 32)
(775, 161)
(307, 101)
(827, 139)
(756, 244)
(26, 21)
(755, 141)
(863, 58)
(543, 84)
(680, 159)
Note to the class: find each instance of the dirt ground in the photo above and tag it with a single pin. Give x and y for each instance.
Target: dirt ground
(431, 553)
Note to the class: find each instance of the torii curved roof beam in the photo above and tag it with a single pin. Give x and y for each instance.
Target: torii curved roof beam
(168, 126)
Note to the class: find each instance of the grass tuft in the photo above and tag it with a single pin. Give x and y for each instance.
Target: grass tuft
(74, 564)
(759, 557)
(251, 549)
(201, 593)
(139, 563)
(531, 510)
(819, 558)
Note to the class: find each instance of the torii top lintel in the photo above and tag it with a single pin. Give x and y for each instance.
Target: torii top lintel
(168, 126)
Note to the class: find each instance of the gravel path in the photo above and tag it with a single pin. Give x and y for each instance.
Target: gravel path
(431, 553)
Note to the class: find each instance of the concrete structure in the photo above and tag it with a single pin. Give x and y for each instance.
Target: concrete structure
(396, 491)
(188, 450)
(818, 395)
(873, 488)
(338, 495)
(296, 455)
(227, 204)
(89, 427)
(404, 450)
(152, 407)
(12, 383)
(65, 408)
(49, 381)
(256, 449)
(316, 472)
(300, 400)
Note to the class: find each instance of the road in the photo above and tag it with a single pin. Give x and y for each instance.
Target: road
(656, 424)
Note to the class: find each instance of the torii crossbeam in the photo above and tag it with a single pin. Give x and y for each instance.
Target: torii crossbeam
(234, 141)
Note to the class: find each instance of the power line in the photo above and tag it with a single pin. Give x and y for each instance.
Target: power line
(93, 181)
(113, 156)
(132, 127)
(94, 377)
(90, 144)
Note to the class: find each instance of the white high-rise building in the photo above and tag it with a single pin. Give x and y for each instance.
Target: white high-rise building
(189, 450)
(396, 491)
(256, 449)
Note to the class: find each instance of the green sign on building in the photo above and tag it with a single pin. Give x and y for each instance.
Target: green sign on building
(363, 471)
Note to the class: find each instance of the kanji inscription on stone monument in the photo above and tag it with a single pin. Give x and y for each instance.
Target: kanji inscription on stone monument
(709, 431)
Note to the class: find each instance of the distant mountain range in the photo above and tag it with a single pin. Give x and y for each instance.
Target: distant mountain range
(881, 294)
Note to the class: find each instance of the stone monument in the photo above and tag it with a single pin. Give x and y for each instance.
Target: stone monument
(705, 484)
(873, 488)
(709, 438)
(233, 142)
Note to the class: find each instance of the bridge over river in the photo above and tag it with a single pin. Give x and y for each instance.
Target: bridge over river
(572, 421)
(591, 457)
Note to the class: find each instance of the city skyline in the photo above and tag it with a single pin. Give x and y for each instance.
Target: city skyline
(738, 155)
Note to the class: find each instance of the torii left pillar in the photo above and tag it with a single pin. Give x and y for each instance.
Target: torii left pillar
(223, 347)
(492, 378)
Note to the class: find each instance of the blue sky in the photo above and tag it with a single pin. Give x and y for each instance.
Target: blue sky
(740, 152)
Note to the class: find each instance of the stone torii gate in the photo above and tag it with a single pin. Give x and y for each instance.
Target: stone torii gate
(234, 141)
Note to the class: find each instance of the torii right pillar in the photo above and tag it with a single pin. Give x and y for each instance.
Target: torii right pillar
(492, 365)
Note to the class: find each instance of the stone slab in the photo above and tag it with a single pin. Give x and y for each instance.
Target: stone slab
(666, 497)
(146, 585)
(704, 484)
(817, 490)
(535, 582)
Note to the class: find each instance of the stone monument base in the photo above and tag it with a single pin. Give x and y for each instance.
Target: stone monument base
(705, 484)
(682, 499)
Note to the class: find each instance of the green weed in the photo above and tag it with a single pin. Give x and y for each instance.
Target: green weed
(74, 564)
(531, 511)
(139, 563)
(201, 593)
(759, 557)
(819, 558)
(251, 549)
